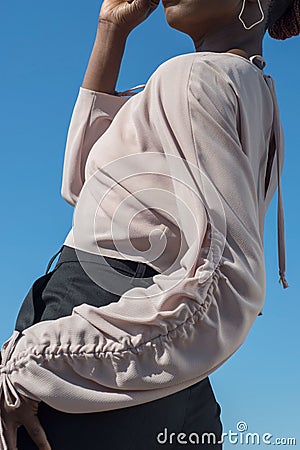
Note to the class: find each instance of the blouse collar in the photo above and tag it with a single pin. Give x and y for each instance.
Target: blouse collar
(259, 61)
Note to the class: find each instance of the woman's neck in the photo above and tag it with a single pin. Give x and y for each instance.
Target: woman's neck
(240, 52)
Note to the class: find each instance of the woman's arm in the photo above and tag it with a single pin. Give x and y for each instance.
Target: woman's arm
(117, 19)
(96, 104)
(106, 57)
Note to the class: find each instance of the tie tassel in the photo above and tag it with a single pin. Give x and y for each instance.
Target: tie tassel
(283, 281)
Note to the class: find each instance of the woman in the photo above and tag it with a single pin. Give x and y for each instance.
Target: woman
(162, 275)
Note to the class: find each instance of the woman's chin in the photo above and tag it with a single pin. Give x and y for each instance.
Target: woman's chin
(173, 15)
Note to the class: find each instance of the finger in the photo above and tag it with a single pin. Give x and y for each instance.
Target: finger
(29, 403)
(36, 432)
(154, 4)
(10, 434)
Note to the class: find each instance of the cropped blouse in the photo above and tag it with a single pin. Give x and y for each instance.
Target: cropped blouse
(179, 175)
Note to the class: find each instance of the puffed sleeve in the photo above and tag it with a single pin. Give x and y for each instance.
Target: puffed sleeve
(159, 339)
(92, 115)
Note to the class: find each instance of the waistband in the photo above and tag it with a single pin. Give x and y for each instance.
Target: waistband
(70, 254)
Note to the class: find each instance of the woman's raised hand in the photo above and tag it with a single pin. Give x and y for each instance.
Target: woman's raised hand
(116, 20)
(126, 14)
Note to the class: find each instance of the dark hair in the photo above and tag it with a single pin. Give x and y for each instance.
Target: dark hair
(283, 19)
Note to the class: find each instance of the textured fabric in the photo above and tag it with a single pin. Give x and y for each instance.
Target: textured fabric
(188, 162)
(194, 408)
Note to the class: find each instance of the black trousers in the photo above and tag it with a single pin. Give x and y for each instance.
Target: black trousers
(152, 425)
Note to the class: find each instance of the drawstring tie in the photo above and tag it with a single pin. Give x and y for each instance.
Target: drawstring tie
(7, 390)
(280, 211)
(260, 62)
(9, 394)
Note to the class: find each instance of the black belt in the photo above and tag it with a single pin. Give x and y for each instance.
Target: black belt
(70, 254)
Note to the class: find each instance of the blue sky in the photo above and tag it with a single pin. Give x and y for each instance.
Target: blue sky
(44, 52)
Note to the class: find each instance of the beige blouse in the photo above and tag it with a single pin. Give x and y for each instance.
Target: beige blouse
(175, 176)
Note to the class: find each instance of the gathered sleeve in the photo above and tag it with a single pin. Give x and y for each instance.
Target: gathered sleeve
(161, 338)
(92, 115)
